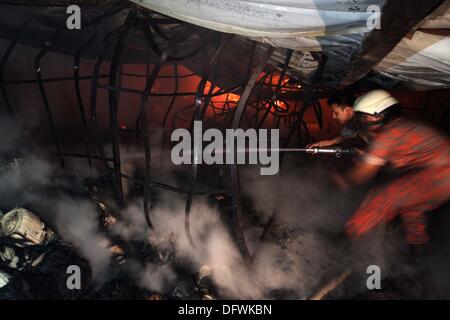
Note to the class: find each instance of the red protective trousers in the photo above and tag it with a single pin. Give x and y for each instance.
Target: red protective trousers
(409, 196)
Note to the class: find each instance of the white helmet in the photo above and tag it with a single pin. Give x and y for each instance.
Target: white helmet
(374, 102)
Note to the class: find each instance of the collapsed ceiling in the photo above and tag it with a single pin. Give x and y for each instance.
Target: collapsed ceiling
(338, 34)
(337, 28)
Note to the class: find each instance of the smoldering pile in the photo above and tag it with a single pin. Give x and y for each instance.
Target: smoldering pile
(121, 258)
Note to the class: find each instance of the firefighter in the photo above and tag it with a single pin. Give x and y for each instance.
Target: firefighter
(419, 152)
(341, 104)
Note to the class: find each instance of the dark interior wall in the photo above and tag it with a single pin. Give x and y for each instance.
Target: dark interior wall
(28, 106)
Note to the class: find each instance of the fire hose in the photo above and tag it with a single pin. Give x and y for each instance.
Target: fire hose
(336, 151)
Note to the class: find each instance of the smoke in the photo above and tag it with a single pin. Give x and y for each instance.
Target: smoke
(297, 264)
(310, 214)
(152, 276)
(300, 253)
(77, 223)
(26, 179)
(303, 195)
(289, 262)
(213, 245)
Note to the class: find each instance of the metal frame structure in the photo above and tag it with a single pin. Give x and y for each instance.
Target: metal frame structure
(232, 114)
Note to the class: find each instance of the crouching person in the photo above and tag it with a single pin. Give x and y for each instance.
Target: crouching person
(418, 151)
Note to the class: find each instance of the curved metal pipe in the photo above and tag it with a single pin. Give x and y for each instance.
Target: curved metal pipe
(198, 117)
(239, 232)
(37, 69)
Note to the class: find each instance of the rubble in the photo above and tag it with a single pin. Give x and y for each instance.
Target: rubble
(32, 254)
(205, 284)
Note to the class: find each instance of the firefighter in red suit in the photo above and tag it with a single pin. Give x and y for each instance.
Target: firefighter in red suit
(418, 151)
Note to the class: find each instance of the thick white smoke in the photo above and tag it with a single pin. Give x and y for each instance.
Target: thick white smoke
(75, 220)
(299, 259)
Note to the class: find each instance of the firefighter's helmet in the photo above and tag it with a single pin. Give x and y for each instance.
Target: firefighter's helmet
(374, 102)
